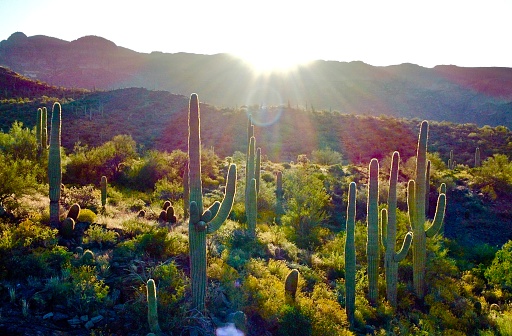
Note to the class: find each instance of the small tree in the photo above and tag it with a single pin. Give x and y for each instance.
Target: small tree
(306, 201)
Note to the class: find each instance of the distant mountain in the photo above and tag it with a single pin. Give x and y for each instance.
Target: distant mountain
(463, 95)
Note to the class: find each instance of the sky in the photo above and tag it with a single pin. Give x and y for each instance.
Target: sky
(282, 33)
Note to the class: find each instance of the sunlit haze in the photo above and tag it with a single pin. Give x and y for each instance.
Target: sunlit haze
(281, 34)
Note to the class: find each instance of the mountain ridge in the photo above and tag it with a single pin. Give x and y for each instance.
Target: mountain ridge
(443, 93)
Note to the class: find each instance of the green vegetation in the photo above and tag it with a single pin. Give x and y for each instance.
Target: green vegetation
(314, 265)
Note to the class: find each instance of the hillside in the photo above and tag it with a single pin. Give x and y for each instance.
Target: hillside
(158, 119)
(461, 95)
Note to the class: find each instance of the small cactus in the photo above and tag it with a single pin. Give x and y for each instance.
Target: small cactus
(162, 218)
(166, 205)
(141, 213)
(88, 258)
(152, 307)
(290, 285)
(171, 217)
(67, 228)
(74, 212)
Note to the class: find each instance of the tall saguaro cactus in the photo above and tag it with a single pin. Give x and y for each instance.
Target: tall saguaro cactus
(202, 222)
(54, 166)
(372, 244)
(350, 255)
(252, 172)
(388, 235)
(416, 200)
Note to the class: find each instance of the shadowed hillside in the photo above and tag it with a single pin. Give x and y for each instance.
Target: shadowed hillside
(158, 119)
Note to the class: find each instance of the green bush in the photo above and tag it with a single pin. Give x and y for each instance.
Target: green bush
(500, 271)
(86, 216)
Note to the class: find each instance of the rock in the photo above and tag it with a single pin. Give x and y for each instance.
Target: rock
(47, 316)
(59, 317)
(84, 318)
(89, 325)
(75, 322)
(96, 319)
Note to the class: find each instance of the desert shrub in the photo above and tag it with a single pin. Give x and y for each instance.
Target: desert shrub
(85, 292)
(87, 216)
(306, 203)
(88, 197)
(18, 178)
(97, 235)
(157, 243)
(294, 322)
(326, 156)
(168, 190)
(494, 177)
(331, 257)
(87, 165)
(500, 271)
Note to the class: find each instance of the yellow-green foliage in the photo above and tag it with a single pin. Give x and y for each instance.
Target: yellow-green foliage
(330, 257)
(327, 316)
(86, 215)
(96, 234)
(264, 286)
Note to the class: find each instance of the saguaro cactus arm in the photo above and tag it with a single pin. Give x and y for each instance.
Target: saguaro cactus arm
(439, 216)
(224, 208)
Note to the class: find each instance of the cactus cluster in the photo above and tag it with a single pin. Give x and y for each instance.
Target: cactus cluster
(202, 221)
(167, 214)
(55, 165)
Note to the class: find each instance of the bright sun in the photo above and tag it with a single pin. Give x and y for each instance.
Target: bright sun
(265, 61)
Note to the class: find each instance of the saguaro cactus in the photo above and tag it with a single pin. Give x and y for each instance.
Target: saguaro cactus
(39, 126)
(201, 223)
(152, 307)
(350, 255)
(372, 244)
(252, 208)
(416, 201)
(44, 127)
(477, 157)
(103, 187)
(388, 235)
(279, 197)
(54, 166)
